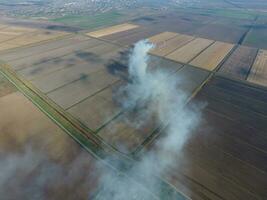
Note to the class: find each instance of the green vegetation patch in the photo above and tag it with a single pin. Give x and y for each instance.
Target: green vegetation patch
(89, 21)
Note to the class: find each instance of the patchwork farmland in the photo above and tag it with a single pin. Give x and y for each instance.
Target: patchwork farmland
(73, 78)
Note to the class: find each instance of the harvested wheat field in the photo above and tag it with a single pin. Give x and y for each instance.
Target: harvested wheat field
(16, 31)
(166, 47)
(258, 73)
(159, 38)
(35, 37)
(24, 36)
(239, 63)
(112, 30)
(41, 48)
(6, 46)
(186, 53)
(103, 110)
(54, 53)
(62, 77)
(212, 56)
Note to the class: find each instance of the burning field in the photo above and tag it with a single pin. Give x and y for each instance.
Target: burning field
(160, 119)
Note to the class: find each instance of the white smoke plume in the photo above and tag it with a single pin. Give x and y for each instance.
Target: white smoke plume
(32, 174)
(155, 93)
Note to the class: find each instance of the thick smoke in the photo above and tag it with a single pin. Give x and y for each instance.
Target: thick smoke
(153, 92)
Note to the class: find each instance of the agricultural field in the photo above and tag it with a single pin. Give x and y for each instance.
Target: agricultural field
(228, 148)
(112, 30)
(230, 33)
(68, 86)
(258, 71)
(257, 37)
(103, 111)
(210, 58)
(162, 37)
(85, 86)
(5, 87)
(39, 149)
(15, 36)
(90, 22)
(129, 139)
(165, 47)
(188, 52)
(240, 62)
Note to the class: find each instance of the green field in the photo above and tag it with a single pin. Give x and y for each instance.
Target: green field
(228, 13)
(89, 21)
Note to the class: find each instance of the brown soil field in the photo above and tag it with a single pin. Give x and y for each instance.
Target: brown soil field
(212, 56)
(46, 56)
(174, 23)
(167, 47)
(239, 63)
(159, 38)
(190, 78)
(41, 48)
(186, 53)
(5, 86)
(248, 106)
(97, 110)
(162, 64)
(258, 73)
(112, 30)
(225, 152)
(86, 86)
(237, 111)
(40, 150)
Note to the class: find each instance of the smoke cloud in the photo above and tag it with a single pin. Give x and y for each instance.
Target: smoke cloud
(154, 92)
